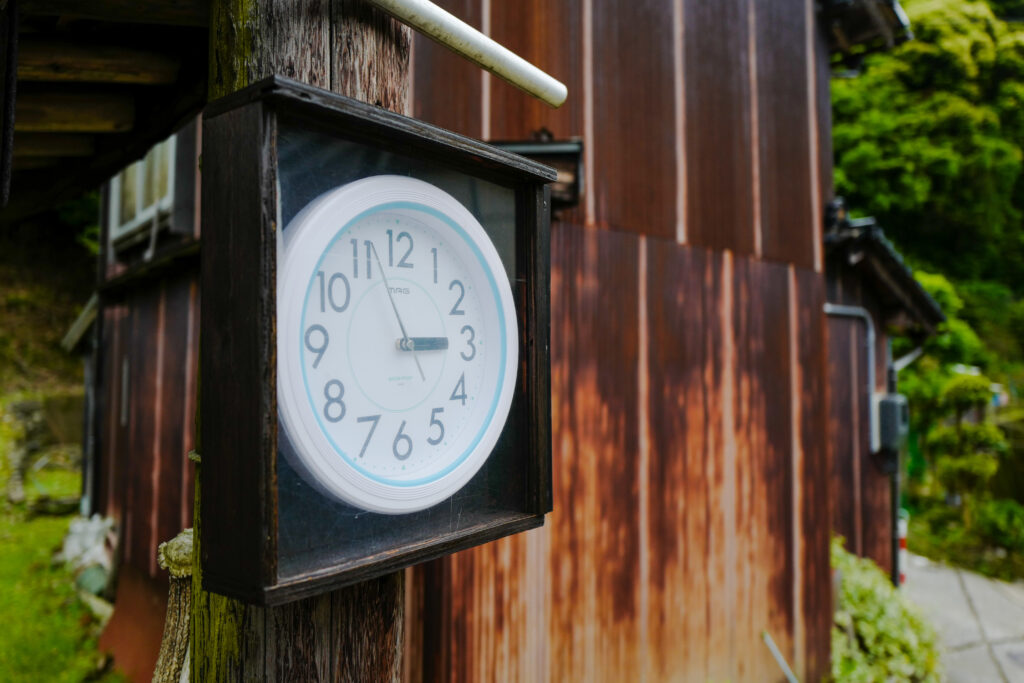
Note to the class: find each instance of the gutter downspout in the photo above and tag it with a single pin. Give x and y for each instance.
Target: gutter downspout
(861, 313)
(463, 39)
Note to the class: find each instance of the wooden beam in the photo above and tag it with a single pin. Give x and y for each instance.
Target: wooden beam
(30, 145)
(74, 113)
(33, 163)
(172, 12)
(63, 61)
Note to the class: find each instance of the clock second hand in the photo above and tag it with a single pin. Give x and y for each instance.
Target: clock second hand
(405, 336)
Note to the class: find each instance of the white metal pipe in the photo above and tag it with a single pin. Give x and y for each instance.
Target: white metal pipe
(861, 313)
(463, 39)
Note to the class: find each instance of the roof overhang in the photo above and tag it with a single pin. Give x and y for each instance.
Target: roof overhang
(861, 245)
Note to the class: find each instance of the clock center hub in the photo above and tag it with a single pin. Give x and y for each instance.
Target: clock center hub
(385, 373)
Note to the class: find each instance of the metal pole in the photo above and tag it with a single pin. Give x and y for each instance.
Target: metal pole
(463, 39)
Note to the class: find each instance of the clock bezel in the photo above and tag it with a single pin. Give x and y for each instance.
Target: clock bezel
(241, 212)
(317, 455)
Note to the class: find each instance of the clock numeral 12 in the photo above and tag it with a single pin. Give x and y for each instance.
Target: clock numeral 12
(402, 263)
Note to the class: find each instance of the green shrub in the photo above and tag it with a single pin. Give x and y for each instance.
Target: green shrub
(1001, 523)
(877, 634)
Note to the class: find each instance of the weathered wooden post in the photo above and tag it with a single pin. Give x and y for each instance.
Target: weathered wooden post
(354, 633)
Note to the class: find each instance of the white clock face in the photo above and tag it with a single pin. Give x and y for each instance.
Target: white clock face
(397, 344)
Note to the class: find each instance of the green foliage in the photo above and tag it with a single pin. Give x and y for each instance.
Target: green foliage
(967, 473)
(937, 531)
(46, 633)
(966, 391)
(877, 635)
(1001, 524)
(928, 140)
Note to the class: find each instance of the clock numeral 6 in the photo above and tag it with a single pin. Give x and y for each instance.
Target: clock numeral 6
(434, 421)
(335, 400)
(322, 348)
(396, 446)
(327, 291)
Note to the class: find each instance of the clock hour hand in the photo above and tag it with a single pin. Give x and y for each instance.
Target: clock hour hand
(387, 288)
(421, 343)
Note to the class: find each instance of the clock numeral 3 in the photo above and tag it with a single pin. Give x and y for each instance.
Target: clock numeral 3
(462, 293)
(327, 291)
(401, 438)
(434, 421)
(334, 400)
(469, 342)
(318, 350)
(460, 386)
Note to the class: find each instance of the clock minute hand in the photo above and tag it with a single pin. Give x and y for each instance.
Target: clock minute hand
(387, 287)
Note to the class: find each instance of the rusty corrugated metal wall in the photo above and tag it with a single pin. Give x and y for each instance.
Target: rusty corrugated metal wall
(688, 351)
(861, 494)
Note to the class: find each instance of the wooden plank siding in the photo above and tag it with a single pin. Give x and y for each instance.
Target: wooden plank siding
(691, 497)
(150, 350)
(861, 492)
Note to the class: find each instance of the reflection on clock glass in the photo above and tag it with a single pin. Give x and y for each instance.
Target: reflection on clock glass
(397, 344)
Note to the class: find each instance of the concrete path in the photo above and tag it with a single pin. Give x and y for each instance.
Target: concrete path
(980, 621)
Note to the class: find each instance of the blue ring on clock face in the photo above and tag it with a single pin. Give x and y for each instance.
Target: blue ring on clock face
(501, 323)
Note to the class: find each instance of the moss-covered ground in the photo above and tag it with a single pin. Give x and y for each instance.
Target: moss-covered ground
(46, 632)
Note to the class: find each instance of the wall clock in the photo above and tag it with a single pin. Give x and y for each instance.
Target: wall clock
(374, 347)
(397, 344)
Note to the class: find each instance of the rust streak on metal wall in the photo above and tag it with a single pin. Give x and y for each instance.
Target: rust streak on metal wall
(817, 578)
(593, 562)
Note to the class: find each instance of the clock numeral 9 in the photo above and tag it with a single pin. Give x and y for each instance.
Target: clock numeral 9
(327, 291)
(318, 350)
(462, 293)
(401, 438)
(334, 401)
(434, 421)
(469, 342)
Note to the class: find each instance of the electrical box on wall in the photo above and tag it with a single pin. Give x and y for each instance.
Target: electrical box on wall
(893, 421)
(374, 356)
